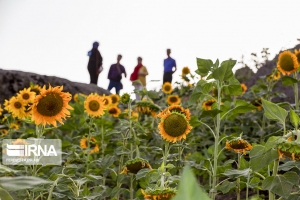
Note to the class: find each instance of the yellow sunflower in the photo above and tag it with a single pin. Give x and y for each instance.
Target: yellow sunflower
(258, 104)
(290, 149)
(17, 107)
(238, 145)
(174, 126)
(114, 99)
(6, 104)
(94, 105)
(173, 99)
(14, 126)
(3, 132)
(135, 165)
(1, 110)
(107, 101)
(36, 89)
(176, 108)
(26, 95)
(208, 104)
(244, 88)
(297, 54)
(167, 88)
(186, 71)
(114, 111)
(159, 193)
(134, 115)
(287, 63)
(146, 107)
(51, 105)
(93, 144)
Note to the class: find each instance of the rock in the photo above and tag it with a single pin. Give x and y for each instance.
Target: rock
(12, 81)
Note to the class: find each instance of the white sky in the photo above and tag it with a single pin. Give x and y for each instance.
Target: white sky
(53, 37)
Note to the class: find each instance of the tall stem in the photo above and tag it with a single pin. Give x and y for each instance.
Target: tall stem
(296, 91)
(131, 186)
(165, 156)
(238, 189)
(102, 147)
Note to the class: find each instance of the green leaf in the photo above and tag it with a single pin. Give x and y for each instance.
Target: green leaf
(189, 189)
(226, 186)
(204, 66)
(240, 106)
(260, 158)
(5, 195)
(224, 72)
(194, 122)
(274, 112)
(210, 113)
(232, 90)
(194, 97)
(216, 64)
(21, 182)
(4, 169)
(207, 87)
(142, 173)
(294, 118)
(289, 165)
(152, 94)
(288, 81)
(235, 173)
(281, 184)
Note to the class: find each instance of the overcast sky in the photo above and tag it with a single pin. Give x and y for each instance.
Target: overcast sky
(53, 37)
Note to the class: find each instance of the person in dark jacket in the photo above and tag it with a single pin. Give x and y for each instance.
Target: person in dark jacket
(115, 75)
(95, 63)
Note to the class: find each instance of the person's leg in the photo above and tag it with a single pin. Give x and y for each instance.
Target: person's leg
(137, 89)
(110, 86)
(119, 86)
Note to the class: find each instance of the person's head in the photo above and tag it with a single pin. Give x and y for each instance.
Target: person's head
(95, 44)
(119, 57)
(168, 52)
(139, 59)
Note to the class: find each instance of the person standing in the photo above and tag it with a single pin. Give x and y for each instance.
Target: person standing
(115, 75)
(95, 63)
(138, 77)
(169, 63)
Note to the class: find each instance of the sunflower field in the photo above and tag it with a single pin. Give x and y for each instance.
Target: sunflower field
(207, 137)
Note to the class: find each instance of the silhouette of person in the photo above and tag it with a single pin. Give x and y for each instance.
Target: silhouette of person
(169, 63)
(95, 63)
(115, 75)
(138, 77)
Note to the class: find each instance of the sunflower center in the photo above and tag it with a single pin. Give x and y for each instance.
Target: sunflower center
(18, 105)
(173, 99)
(238, 145)
(112, 111)
(135, 167)
(175, 125)
(286, 63)
(94, 105)
(114, 100)
(50, 105)
(26, 96)
(298, 57)
(209, 104)
(167, 88)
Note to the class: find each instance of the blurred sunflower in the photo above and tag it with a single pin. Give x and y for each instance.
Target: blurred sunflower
(167, 88)
(94, 105)
(258, 104)
(290, 149)
(173, 99)
(93, 144)
(36, 89)
(51, 105)
(174, 126)
(206, 105)
(176, 108)
(114, 99)
(297, 54)
(114, 111)
(244, 88)
(134, 115)
(14, 126)
(3, 132)
(26, 95)
(6, 104)
(186, 71)
(17, 107)
(1, 110)
(238, 145)
(287, 63)
(135, 165)
(147, 108)
(274, 76)
(159, 193)
(107, 101)
(125, 98)
(79, 96)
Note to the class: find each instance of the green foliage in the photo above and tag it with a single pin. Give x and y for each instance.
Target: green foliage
(274, 112)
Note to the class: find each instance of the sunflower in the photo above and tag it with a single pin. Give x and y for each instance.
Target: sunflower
(159, 193)
(3, 132)
(174, 126)
(114, 111)
(26, 95)
(167, 88)
(107, 101)
(14, 126)
(6, 104)
(287, 63)
(94, 105)
(238, 145)
(176, 108)
(244, 88)
(186, 71)
(51, 105)
(36, 89)
(258, 104)
(1, 110)
(93, 144)
(135, 165)
(297, 54)
(134, 115)
(208, 104)
(190, 85)
(17, 107)
(146, 107)
(290, 149)
(173, 99)
(114, 99)
(125, 98)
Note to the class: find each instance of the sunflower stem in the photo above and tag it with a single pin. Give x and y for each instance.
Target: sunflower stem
(296, 91)
(238, 187)
(131, 187)
(165, 156)
(88, 147)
